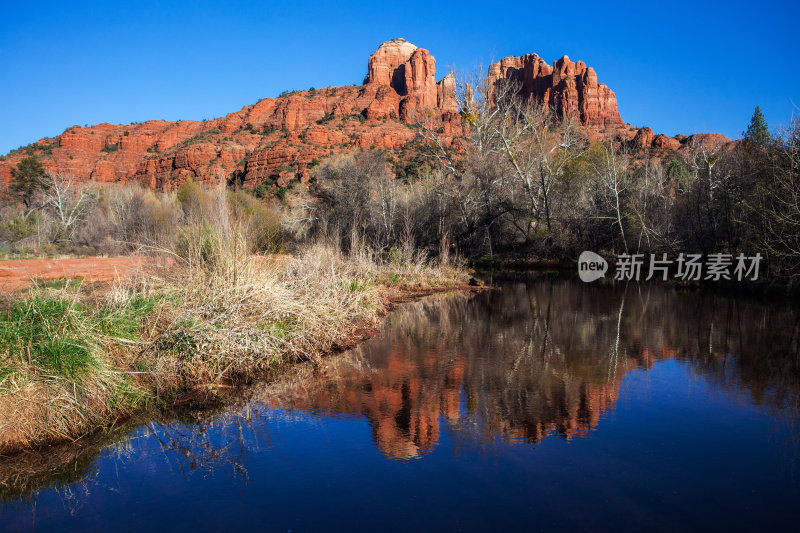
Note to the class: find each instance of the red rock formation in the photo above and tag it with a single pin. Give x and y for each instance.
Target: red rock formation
(667, 143)
(275, 140)
(707, 141)
(278, 140)
(411, 73)
(569, 89)
(386, 65)
(446, 94)
(643, 138)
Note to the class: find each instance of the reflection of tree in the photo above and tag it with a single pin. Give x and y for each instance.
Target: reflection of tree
(544, 358)
(202, 442)
(65, 469)
(550, 369)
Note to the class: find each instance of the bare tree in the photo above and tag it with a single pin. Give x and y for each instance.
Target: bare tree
(511, 164)
(68, 201)
(707, 195)
(611, 168)
(782, 212)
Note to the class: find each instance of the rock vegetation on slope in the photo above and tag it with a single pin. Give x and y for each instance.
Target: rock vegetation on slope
(279, 140)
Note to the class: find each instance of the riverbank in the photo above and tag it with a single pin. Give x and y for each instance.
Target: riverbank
(77, 357)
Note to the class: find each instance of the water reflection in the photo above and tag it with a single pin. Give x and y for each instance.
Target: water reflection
(545, 358)
(200, 443)
(536, 360)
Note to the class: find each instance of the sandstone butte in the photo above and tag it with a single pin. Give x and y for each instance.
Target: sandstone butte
(280, 140)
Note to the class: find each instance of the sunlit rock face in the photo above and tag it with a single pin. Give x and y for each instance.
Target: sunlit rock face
(411, 73)
(277, 141)
(274, 141)
(567, 88)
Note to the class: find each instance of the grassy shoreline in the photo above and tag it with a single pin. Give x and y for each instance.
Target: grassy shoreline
(75, 358)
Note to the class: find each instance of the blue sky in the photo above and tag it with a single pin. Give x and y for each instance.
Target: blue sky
(682, 67)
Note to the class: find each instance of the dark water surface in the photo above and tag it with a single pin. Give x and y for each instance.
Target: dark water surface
(547, 405)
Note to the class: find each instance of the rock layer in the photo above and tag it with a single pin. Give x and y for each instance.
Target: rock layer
(279, 140)
(275, 141)
(568, 89)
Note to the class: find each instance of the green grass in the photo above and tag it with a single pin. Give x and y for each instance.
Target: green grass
(358, 285)
(58, 283)
(5, 370)
(88, 355)
(123, 321)
(46, 333)
(278, 328)
(58, 336)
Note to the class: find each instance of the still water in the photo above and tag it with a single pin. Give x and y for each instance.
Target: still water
(546, 404)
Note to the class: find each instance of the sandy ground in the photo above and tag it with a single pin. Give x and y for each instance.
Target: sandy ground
(19, 273)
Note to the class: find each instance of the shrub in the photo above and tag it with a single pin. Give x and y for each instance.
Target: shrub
(280, 194)
(261, 190)
(261, 221)
(20, 227)
(190, 196)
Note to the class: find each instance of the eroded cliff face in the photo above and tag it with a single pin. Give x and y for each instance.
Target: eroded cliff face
(280, 140)
(274, 141)
(570, 90)
(567, 88)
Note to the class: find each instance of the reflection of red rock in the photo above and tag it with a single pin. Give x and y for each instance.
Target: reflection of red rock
(408, 396)
(404, 408)
(407, 400)
(524, 363)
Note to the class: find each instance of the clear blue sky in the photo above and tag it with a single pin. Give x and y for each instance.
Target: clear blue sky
(679, 67)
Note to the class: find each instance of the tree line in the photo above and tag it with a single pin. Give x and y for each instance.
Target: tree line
(519, 183)
(524, 184)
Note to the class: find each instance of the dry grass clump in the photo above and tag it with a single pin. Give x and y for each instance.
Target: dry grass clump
(240, 314)
(216, 314)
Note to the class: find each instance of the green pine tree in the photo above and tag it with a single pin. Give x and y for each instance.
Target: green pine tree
(28, 181)
(758, 131)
